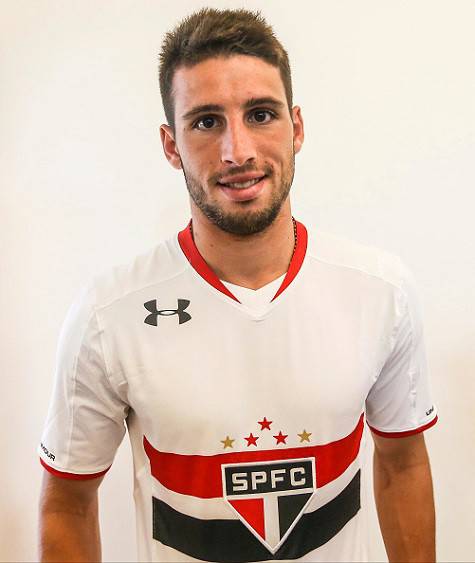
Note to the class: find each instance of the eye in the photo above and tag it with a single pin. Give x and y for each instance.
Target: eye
(261, 114)
(207, 122)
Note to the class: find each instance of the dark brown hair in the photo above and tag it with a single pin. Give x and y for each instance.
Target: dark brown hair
(212, 33)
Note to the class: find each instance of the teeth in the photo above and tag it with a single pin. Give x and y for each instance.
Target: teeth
(243, 184)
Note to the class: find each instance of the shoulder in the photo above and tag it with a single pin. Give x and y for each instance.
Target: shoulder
(330, 250)
(160, 263)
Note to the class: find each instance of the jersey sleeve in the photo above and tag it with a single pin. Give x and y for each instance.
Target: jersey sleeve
(85, 423)
(399, 403)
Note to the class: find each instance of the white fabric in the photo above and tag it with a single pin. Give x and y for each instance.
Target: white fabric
(344, 337)
(255, 299)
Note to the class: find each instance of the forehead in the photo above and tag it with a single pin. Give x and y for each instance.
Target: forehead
(225, 81)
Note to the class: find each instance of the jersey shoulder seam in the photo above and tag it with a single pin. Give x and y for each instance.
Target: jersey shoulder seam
(121, 272)
(100, 307)
(359, 269)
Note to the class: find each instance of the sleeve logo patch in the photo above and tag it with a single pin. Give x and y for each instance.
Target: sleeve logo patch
(48, 454)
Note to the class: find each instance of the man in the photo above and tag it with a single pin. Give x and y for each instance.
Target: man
(244, 353)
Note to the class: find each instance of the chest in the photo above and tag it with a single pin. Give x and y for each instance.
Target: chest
(306, 365)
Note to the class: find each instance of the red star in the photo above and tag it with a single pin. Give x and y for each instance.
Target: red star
(281, 437)
(265, 424)
(251, 440)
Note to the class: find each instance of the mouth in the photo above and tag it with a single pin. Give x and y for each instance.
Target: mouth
(243, 191)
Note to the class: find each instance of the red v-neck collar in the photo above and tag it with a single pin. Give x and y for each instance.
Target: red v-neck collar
(187, 244)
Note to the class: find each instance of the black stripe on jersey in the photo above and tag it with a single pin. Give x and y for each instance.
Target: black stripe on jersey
(229, 541)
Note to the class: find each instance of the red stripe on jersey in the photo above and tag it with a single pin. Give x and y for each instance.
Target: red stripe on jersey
(187, 244)
(74, 476)
(200, 475)
(405, 433)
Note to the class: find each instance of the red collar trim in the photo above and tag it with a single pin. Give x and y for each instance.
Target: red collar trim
(187, 245)
(297, 258)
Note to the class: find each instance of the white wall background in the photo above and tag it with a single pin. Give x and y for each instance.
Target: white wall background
(387, 90)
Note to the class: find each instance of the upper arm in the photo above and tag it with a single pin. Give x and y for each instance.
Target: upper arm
(68, 495)
(399, 403)
(400, 453)
(85, 422)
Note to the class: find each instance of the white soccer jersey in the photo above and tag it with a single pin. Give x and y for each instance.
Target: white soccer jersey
(245, 423)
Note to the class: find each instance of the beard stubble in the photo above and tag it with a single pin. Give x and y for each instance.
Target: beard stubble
(243, 223)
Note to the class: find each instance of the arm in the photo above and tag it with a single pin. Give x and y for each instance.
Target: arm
(68, 520)
(404, 498)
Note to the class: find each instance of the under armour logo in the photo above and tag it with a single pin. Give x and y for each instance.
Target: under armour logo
(152, 319)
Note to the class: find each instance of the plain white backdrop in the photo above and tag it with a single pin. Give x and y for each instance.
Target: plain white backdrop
(387, 91)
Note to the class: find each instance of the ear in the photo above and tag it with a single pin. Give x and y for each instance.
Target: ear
(169, 146)
(297, 121)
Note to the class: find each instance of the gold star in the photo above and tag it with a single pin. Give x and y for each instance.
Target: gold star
(305, 436)
(228, 442)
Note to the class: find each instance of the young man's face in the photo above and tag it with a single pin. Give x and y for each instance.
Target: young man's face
(248, 135)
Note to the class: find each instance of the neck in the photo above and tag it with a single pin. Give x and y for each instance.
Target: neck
(249, 261)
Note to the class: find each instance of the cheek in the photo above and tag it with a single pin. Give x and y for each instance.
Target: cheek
(203, 159)
(279, 158)
(279, 147)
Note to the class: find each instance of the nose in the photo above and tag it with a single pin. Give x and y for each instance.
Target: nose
(237, 146)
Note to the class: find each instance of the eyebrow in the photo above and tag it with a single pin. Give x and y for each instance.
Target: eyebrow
(203, 108)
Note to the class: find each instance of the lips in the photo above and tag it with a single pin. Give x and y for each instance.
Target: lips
(251, 191)
(241, 185)
(241, 179)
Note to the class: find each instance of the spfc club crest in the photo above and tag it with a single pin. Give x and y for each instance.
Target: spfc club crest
(269, 497)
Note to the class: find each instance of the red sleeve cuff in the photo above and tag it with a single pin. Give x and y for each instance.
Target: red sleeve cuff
(74, 476)
(407, 432)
